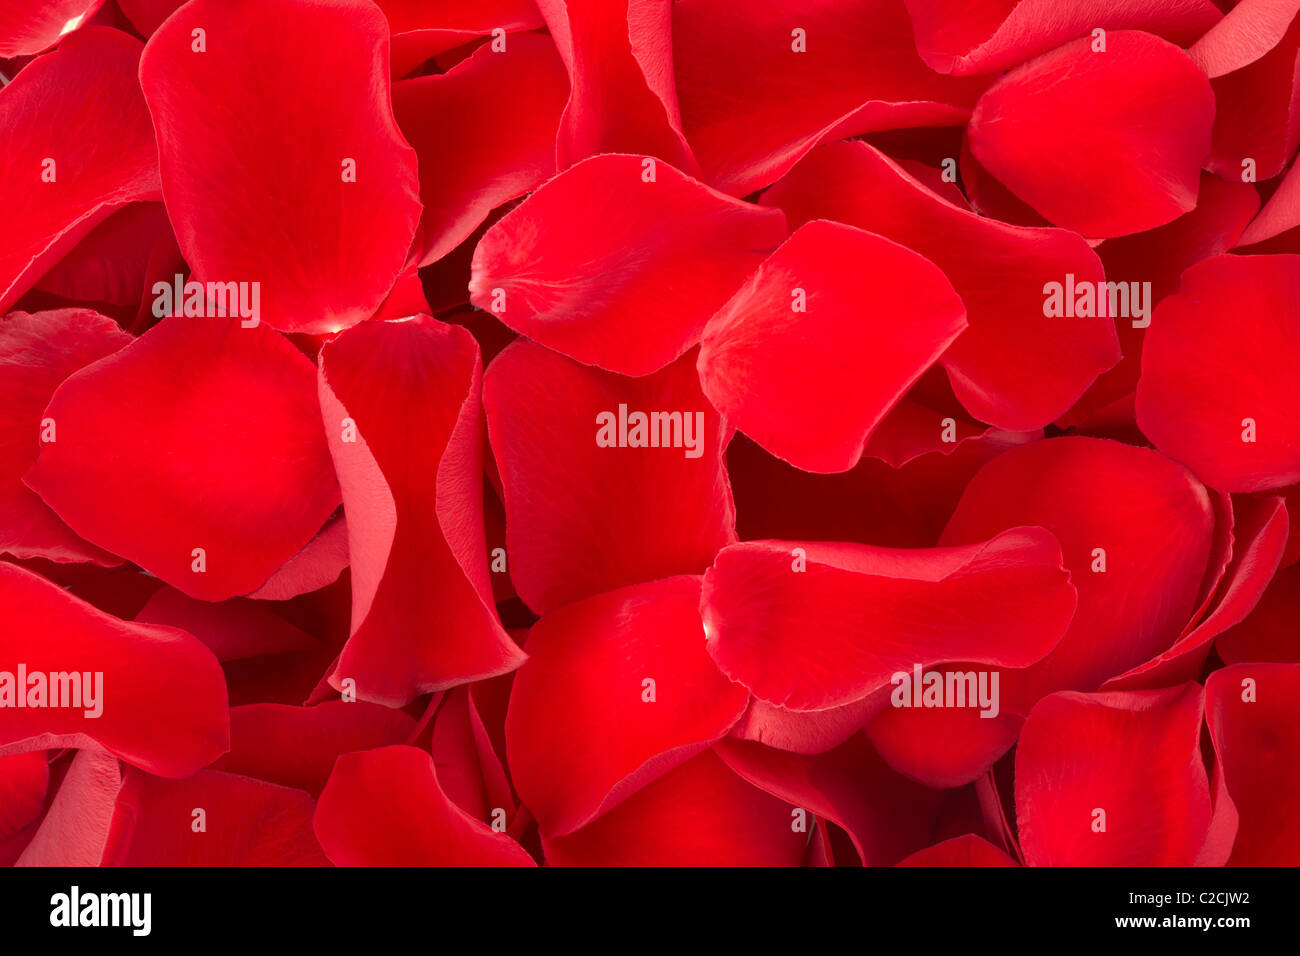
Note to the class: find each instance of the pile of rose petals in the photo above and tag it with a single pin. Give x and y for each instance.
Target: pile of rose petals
(611, 414)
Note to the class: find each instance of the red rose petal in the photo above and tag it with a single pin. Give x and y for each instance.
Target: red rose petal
(1142, 113)
(99, 141)
(424, 28)
(968, 850)
(1252, 714)
(583, 519)
(1218, 366)
(701, 814)
(254, 140)
(484, 133)
(805, 731)
(1268, 633)
(557, 267)
(1281, 214)
(796, 345)
(619, 55)
(30, 26)
(110, 264)
(877, 611)
(161, 697)
(232, 630)
(24, 779)
(75, 829)
(982, 36)
(385, 807)
(402, 415)
(1248, 31)
(37, 352)
(1135, 757)
(201, 434)
(1013, 367)
(582, 736)
(468, 768)
(752, 105)
(247, 823)
(317, 565)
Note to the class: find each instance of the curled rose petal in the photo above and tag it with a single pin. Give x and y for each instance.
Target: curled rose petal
(1113, 779)
(30, 26)
(619, 55)
(878, 611)
(761, 85)
(1252, 713)
(279, 172)
(983, 36)
(1141, 111)
(968, 850)
(424, 28)
(1015, 366)
(1218, 388)
(24, 779)
(75, 828)
(1281, 214)
(232, 630)
(153, 696)
(465, 758)
(618, 690)
(1268, 633)
(587, 501)
(68, 161)
(37, 352)
(620, 261)
(205, 436)
(796, 346)
(501, 111)
(385, 807)
(403, 417)
(317, 565)
(701, 814)
(210, 819)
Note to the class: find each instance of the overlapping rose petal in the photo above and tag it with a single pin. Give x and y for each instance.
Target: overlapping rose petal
(1140, 112)
(110, 264)
(484, 133)
(1251, 710)
(701, 814)
(401, 406)
(581, 735)
(232, 630)
(1134, 756)
(469, 768)
(619, 55)
(386, 807)
(968, 850)
(247, 823)
(202, 434)
(615, 271)
(163, 696)
(318, 564)
(424, 28)
(581, 519)
(885, 815)
(1155, 523)
(1221, 351)
(1269, 632)
(253, 139)
(983, 36)
(752, 106)
(75, 827)
(30, 26)
(1253, 60)
(37, 352)
(24, 780)
(1160, 256)
(1280, 215)
(796, 360)
(99, 140)
(877, 611)
(1013, 367)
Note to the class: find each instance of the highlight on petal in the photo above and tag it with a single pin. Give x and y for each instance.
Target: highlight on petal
(968, 850)
(210, 819)
(402, 412)
(385, 807)
(608, 480)
(67, 162)
(560, 268)
(1218, 390)
(700, 814)
(618, 690)
(761, 85)
(297, 746)
(983, 36)
(195, 452)
(619, 55)
(1113, 779)
(1017, 366)
(1141, 113)
(276, 171)
(797, 361)
(1248, 31)
(30, 26)
(484, 133)
(37, 352)
(153, 696)
(878, 612)
(1254, 722)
